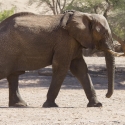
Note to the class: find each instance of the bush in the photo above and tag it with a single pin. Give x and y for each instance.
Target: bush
(6, 13)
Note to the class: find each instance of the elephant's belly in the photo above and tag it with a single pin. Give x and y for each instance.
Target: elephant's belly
(22, 64)
(34, 62)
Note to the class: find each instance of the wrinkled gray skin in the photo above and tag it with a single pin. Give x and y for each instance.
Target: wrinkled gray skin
(31, 42)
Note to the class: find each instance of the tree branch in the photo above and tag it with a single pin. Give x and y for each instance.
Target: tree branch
(54, 7)
(107, 9)
(64, 4)
(59, 6)
(95, 9)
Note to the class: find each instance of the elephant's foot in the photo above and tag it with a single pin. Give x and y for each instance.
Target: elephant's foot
(49, 104)
(95, 104)
(20, 104)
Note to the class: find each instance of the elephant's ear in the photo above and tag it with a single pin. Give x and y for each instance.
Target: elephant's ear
(66, 18)
(79, 28)
(93, 23)
(89, 21)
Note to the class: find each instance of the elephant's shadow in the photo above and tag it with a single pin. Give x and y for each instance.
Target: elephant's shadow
(43, 79)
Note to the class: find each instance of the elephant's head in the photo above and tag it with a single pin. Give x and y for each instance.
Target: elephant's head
(92, 31)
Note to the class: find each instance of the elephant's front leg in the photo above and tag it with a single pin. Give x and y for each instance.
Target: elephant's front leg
(15, 99)
(79, 69)
(59, 73)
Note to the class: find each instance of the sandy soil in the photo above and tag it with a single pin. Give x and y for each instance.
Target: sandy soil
(72, 101)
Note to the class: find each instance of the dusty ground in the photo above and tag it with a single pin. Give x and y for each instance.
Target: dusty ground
(71, 99)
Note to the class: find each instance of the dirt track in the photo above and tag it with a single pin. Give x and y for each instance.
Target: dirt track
(71, 100)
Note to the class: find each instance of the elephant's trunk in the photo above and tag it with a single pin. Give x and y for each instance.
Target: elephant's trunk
(110, 63)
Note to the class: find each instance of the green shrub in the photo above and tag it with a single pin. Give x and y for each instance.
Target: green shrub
(6, 13)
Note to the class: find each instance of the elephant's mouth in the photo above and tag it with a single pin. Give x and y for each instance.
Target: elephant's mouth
(104, 45)
(109, 50)
(114, 53)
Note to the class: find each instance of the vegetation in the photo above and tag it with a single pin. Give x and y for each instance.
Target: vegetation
(6, 13)
(56, 6)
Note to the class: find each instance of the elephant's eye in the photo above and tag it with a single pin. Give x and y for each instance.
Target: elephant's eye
(105, 33)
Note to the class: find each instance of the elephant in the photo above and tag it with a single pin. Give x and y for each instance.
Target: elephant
(29, 42)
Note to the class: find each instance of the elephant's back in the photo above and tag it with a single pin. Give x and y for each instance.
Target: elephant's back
(5, 23)
(38, 23)
(31, 21)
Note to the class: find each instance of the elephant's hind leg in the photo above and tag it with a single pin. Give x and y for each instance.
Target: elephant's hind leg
(15, 99)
